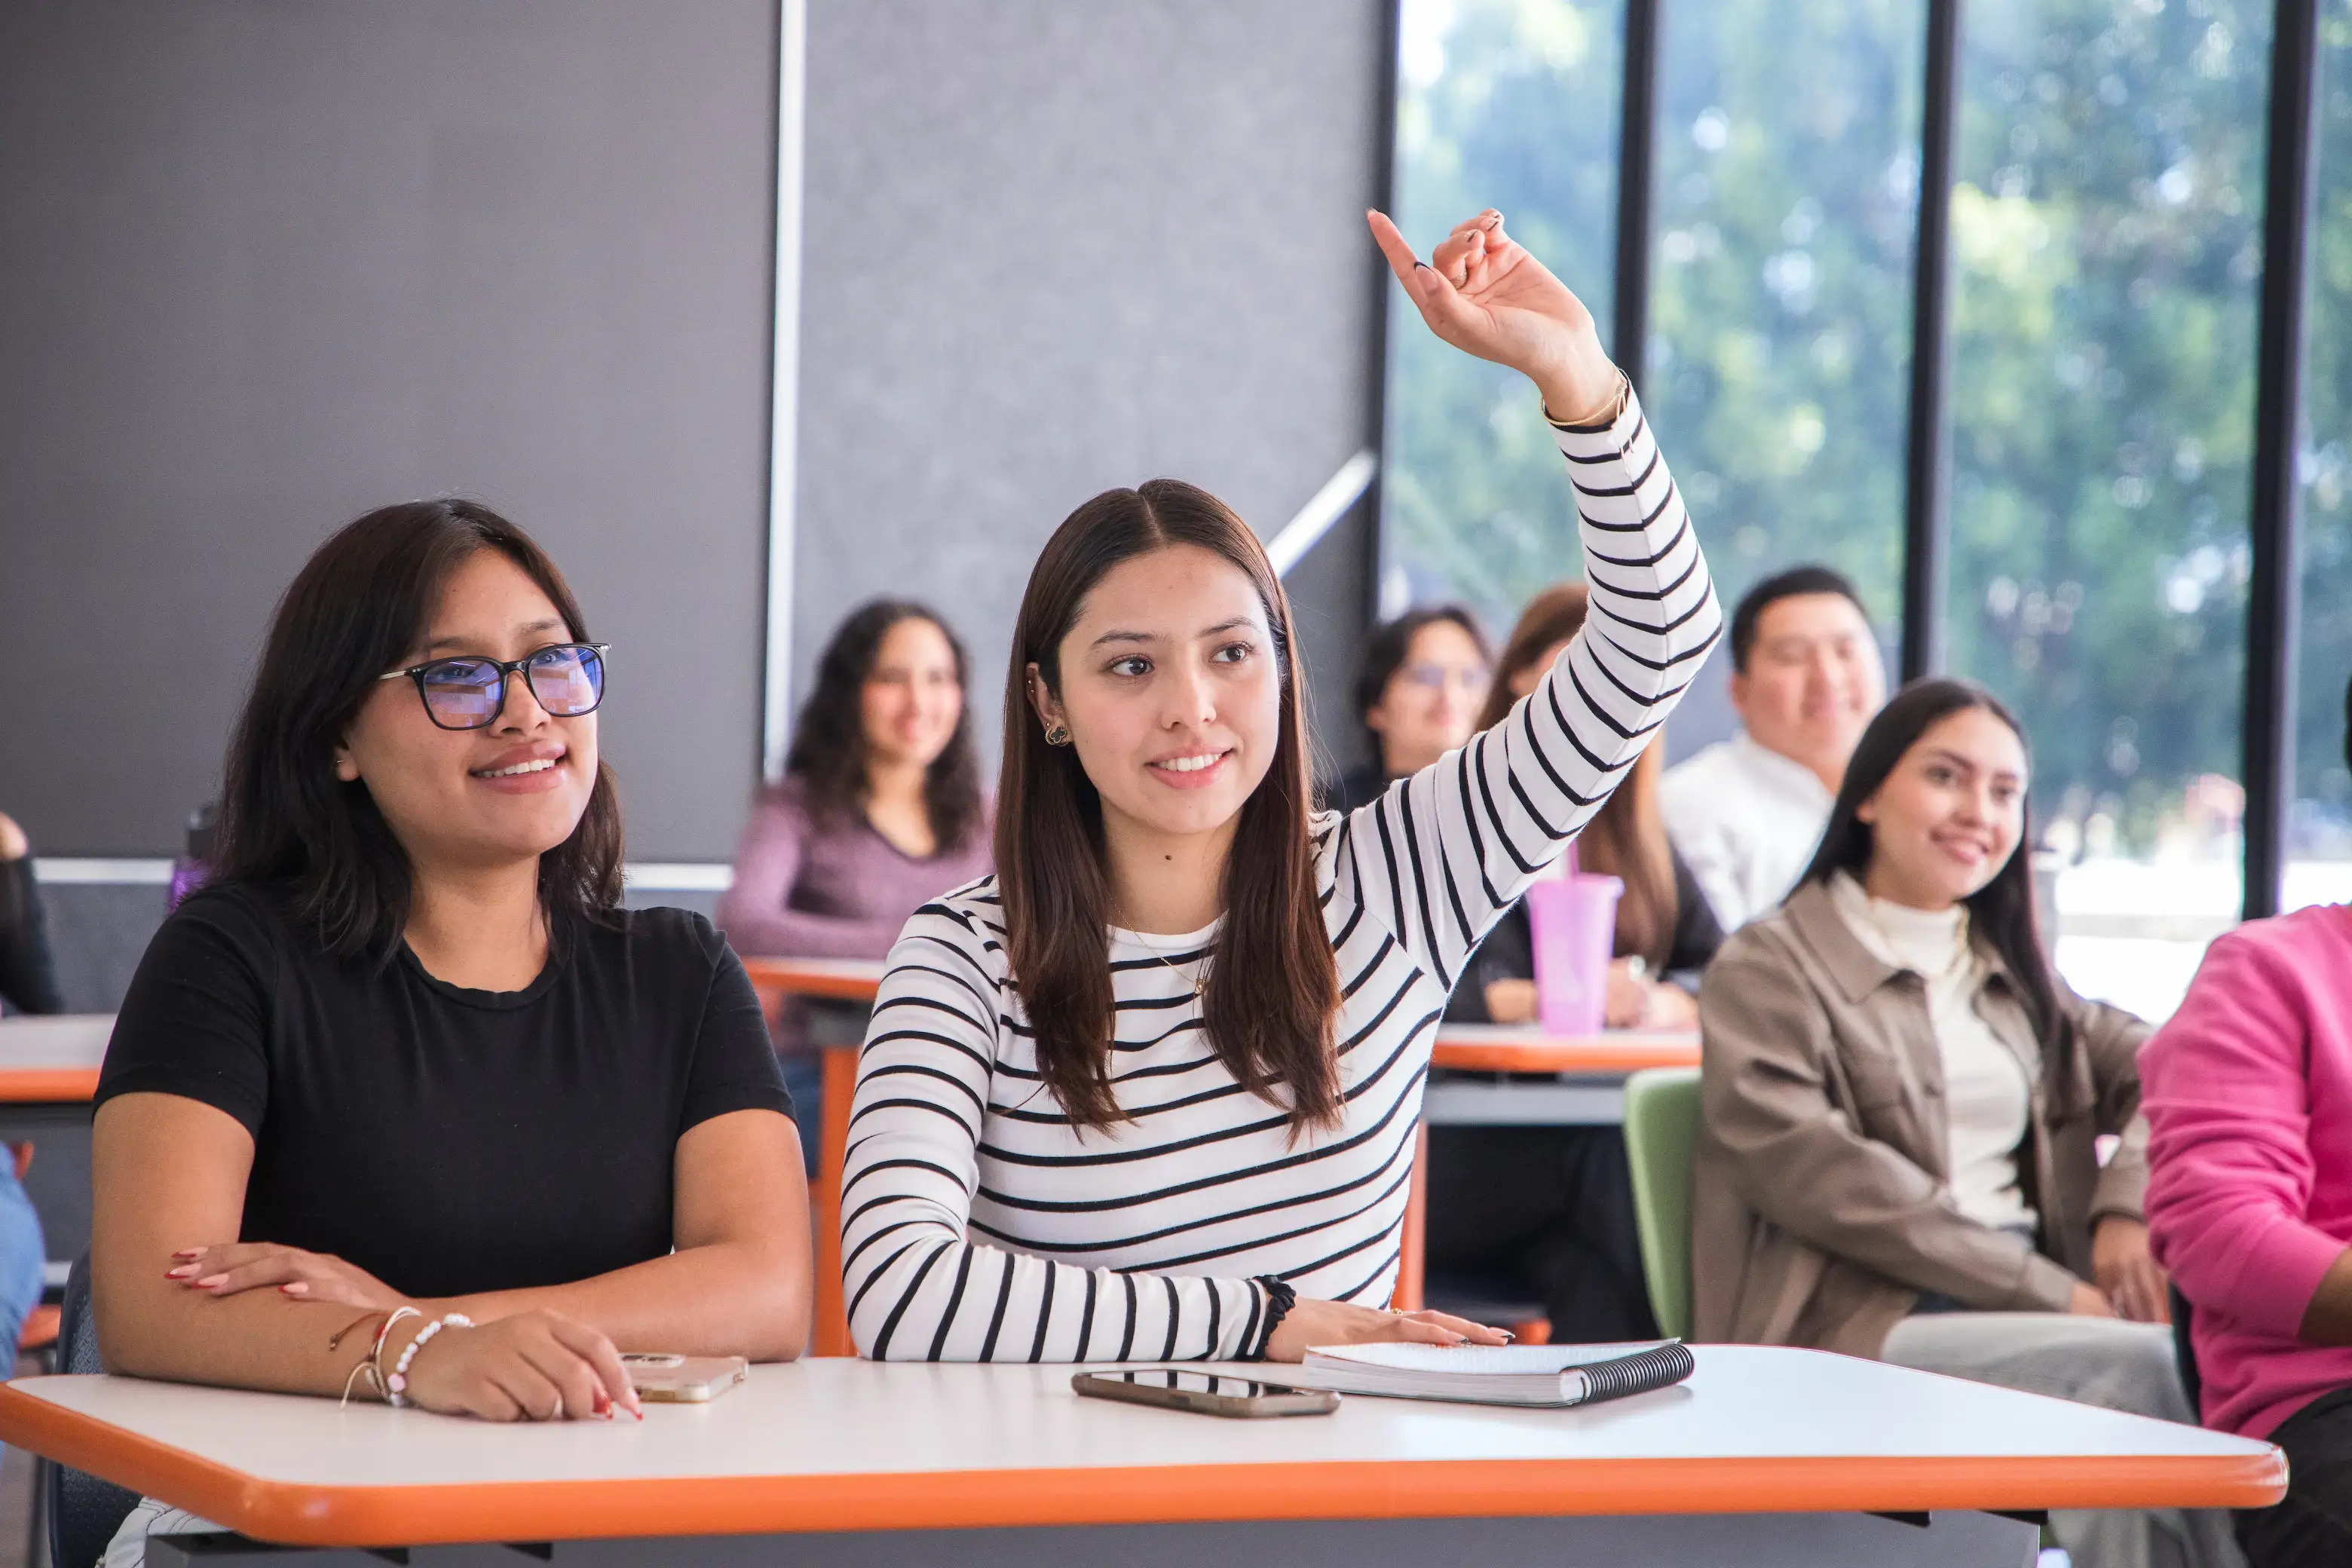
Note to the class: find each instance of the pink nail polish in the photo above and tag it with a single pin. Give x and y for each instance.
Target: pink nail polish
(209, 1280)
(181, 1272)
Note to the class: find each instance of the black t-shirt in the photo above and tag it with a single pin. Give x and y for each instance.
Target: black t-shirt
(449, 1140)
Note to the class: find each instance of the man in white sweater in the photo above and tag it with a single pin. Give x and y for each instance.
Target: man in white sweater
(1746, 813)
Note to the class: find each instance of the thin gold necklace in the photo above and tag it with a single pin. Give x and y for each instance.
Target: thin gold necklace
(1191, 983)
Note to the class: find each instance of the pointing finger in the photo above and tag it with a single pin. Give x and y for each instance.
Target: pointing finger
(1400, 258)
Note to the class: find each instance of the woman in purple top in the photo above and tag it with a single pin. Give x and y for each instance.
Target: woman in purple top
(879, 811)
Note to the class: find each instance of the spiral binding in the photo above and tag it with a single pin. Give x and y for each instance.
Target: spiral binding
(1668, 1365)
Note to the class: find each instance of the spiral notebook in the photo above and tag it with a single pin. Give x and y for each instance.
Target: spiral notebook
(1503, 1374)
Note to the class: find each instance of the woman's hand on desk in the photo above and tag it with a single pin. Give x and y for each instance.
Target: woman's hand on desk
(237, 1265)
(533, 1366)
(1310, 1323)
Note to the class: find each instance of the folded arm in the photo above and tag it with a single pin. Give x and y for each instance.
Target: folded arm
(179, 1298)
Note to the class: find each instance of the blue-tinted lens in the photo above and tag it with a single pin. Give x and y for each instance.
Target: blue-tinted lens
(462, 693)
(568, 680)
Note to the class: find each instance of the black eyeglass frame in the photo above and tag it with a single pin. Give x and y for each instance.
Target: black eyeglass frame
(508, 669)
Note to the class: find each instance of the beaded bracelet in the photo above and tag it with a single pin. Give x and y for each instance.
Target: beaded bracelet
(395, 1386)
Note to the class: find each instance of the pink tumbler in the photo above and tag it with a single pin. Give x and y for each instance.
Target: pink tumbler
(1573, 922)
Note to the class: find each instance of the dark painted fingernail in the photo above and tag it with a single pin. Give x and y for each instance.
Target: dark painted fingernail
(1421, 265)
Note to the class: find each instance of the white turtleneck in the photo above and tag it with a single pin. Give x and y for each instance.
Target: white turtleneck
(1985, 1089)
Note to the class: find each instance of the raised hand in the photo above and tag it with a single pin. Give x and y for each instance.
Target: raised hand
(1482, 291)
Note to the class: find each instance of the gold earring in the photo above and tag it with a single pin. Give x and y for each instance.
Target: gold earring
(1056, 735)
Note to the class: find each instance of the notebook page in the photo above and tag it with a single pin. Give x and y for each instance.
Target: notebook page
(1487, 1360)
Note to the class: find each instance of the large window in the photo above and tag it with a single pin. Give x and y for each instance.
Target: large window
(2320, 834)
(2103, 299)
(1511, 104)
(2107, 226)
(1780, 282)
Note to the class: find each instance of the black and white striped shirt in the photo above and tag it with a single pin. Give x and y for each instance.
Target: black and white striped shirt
(978, 1225)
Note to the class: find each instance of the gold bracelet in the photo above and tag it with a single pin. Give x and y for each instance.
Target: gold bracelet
(1616, 408)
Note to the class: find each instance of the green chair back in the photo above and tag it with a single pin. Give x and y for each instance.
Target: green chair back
(1661, 1126)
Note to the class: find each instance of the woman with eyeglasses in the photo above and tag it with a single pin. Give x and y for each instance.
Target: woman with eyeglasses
(403, 1104)
(879, 809)
(1152, 1090)
(1424, 677)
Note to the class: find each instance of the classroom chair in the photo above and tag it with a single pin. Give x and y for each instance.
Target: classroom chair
(83, 1512)
(2184, 1355)
(1661, 1112)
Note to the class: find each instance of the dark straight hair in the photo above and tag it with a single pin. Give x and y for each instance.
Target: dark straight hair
(1273, 988)
(828, 750)
(358, 608)
(2001, 911)
(1796, 582)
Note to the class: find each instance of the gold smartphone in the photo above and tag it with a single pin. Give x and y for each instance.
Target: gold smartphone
(684, 1379)
(1205, 1393)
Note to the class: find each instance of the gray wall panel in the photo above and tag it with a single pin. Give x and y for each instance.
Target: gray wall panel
(1055, 246)
(263, 266)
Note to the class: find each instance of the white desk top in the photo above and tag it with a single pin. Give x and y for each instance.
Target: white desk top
(65, 1040)
(839, 1444)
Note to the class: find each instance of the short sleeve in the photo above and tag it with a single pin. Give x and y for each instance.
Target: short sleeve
(734, 1066)
(195, 1022)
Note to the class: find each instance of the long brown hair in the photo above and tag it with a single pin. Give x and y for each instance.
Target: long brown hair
(1627, 837)
(357, 607)
(1272, 987)
(828, 752)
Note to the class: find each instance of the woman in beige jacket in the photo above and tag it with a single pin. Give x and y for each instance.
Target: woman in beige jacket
(1902, 1104)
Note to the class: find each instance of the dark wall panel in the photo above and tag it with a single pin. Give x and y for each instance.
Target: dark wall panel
(1055, 246)
(265, 264)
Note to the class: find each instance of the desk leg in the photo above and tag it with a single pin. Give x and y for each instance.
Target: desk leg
(1694, 1541)
(1412, 1243)
(831, 1335)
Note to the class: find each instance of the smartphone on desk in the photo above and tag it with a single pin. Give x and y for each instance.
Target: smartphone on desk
(1205, 1393)
(683, 1379)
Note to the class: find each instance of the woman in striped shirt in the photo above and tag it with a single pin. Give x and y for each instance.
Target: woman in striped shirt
(1152, 1089)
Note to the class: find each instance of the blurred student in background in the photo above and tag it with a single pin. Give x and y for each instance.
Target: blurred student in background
(1747, 813)
(1554, 1205)
(1424, 677)
(880, 811)
(2250, 1196)
(1667, 931)
(1897, 1154)
(28, 972)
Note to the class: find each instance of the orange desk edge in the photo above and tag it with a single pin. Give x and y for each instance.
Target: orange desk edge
(1440, 1488)
(1598, 1053)
(797, 979)
(29, 1086)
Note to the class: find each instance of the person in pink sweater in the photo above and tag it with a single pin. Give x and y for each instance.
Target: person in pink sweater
(880, 810)
(2248, 1095)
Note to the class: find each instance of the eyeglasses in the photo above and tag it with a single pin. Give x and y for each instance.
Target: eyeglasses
(469, 693)
(1436, 677)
